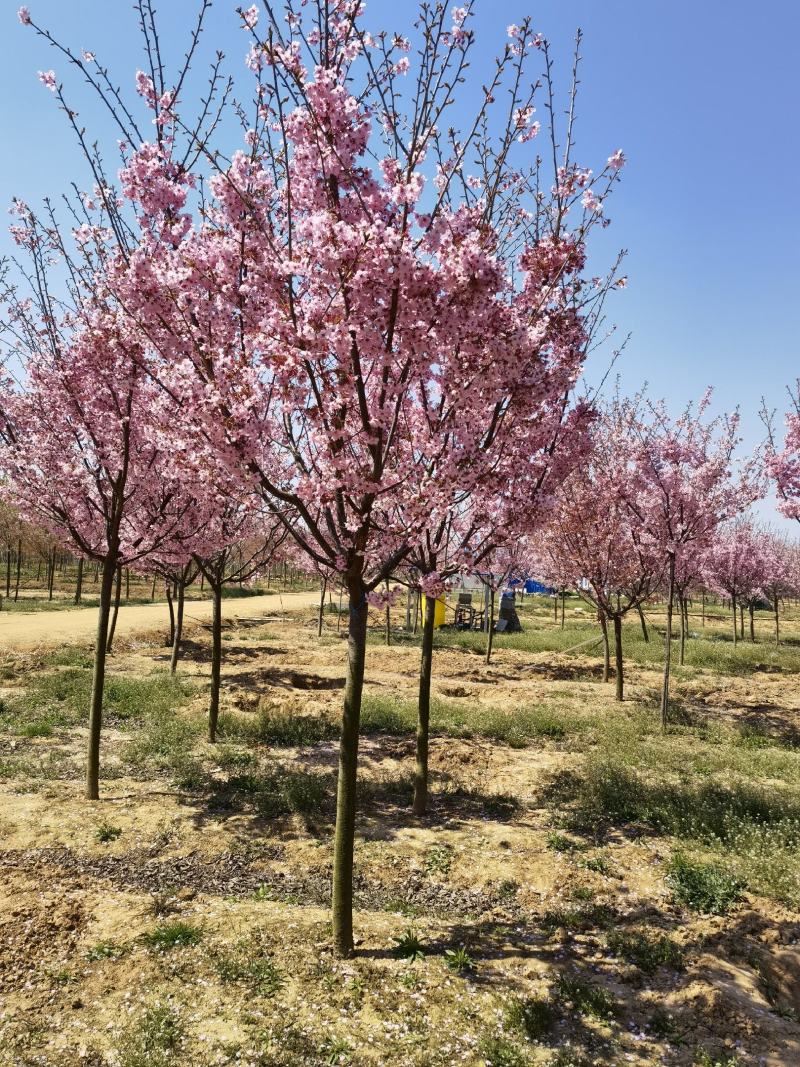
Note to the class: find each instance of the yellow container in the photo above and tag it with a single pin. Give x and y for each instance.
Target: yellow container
(439, 612)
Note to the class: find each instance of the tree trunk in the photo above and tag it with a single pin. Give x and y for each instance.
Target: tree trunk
(555, 608)
(606, 650)
(741, 620)
(342, 896)
(176, 641)
(19, 568)
(51, 574)
(704, 609)
(563, 602)
(777, 623)
(408, 608)
(113, 627)
(682, 607)
(98, 681)
(127, 583)
(168, 590)
(643, 622)
(751, 615)
(153, 589)
(322, 606)
(216, 659)
(618, 666)
(339, 616)
(735, 624)
(424, 710)
(668, 645)
(8, 571)
(416, 610)
(490, 634)
(388, 618)
(79, 581)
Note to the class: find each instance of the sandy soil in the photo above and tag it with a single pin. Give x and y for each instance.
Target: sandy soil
(19, 630)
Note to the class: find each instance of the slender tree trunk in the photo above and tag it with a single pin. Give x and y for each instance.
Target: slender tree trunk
(555, 608)
(751, 614)
(113, 626)
(8, 571)
(51, 574)
(388, 618)
(176, 641)
(127, 583)
(741, 620)
(777, 623)
(417, 602)
(339, 616)
(681, 607)
(668, 645)
(408, 608)
(618, 665)
(153, 589)
(643, 622)
(342, 896)
(98, 680)
(563, 602)
(216, 659)
(490, 635)
(322, 605)
(606, 649)
(79, 581)
(704, 609)
(19, 568)
(735, 624)
(168, 591)
(424, 710)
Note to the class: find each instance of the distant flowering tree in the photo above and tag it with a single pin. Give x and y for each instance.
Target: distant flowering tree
(598, 542)
(735, 566)
(683, 483)
(78, 446)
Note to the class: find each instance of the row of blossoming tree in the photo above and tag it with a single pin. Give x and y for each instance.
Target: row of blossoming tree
(357, 338)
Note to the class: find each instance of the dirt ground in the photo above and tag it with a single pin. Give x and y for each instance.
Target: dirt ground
(22, 630)
(86, 888)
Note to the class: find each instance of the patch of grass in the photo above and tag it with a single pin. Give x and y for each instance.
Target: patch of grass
(500, 1052)
(516, 727)
(409, 946)
(279, 791)
(559, 843)
(248, 961)
(125, 699)
(164, 741)
(703, 887)
(178, 934)
(532, 1016)
(585, 997)
(105, 832)
(702, 1058)
(647, 951)
(271, 728)
(153, 1040)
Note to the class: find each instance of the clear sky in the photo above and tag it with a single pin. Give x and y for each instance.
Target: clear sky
(702, 95)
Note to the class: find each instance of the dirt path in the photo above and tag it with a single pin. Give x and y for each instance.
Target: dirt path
(22, 631)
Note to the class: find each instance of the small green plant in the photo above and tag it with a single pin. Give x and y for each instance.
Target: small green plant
(409, 946)
(647, 951)
(153, 1040)
(560, 843)
(106, 832)
(703, 887)
(500, 1052)
(567, 1056)
(439, 860)
(459, 960)
(585, 997)
(598, 863)
(702, 1058)
(104, 950)
(507, 889)
(532, 1016)
(176, 934)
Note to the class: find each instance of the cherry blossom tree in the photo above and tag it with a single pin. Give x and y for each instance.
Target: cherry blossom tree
(683, 483)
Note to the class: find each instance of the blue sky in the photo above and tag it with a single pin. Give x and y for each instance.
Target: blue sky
(702, 97)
